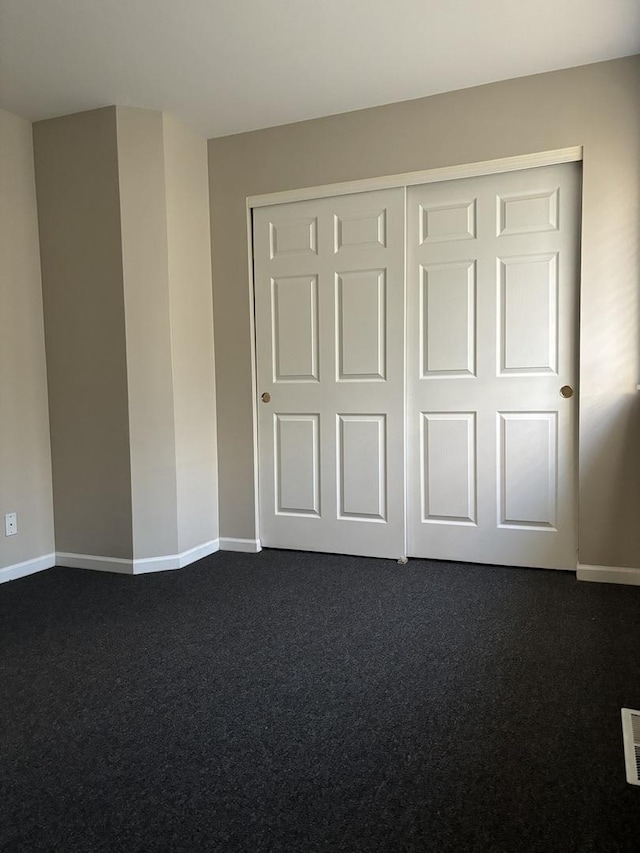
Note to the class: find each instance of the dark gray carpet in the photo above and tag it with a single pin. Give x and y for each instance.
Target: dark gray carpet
(297, 702)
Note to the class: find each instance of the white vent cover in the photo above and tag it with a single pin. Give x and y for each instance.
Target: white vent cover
(631, 735)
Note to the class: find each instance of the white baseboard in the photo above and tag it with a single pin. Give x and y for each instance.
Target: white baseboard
(139, 566)
(608, 574)
(28, 567)
(249, 546)
(175, 561)
(99, 564)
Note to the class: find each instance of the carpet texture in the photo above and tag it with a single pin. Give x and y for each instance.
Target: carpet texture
(296, 702)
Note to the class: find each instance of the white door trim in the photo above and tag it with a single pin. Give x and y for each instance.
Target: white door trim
(406, 179)
(430, 176)
(254, 385)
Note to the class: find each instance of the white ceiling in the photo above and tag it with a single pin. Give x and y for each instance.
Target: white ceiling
(226, 66)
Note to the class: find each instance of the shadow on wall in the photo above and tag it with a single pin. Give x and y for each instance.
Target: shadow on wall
(610, 470)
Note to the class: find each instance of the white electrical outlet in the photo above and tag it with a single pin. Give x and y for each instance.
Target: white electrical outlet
(11, 523)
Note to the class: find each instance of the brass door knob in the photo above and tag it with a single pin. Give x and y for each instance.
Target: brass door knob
(566, 391)
(266, 397)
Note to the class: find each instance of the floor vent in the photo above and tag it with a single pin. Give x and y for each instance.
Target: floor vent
(631, 736)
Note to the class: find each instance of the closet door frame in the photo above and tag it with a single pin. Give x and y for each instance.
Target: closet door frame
(407, 179)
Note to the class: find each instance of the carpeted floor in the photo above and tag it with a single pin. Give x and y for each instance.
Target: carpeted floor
(296, 702)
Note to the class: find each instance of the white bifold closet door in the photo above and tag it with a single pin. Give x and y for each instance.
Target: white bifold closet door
(329, 301)
(492, 269)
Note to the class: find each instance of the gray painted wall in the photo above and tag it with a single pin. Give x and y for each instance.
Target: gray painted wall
(595, 106)
(191, 314)
(126, 258)
(76, 159)
(25, 457)
(152, 436)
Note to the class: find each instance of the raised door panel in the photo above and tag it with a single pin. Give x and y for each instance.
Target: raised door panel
(528, 213)
(293, 237)
(362, 467)
(443, 223)
(447, 334)
(448, 463)
(362, 230)
(528, 308)
(297, 464)
(361, 325)
(527, 469)
(295, 329)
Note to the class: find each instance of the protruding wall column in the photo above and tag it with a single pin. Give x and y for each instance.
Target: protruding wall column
(124, 223)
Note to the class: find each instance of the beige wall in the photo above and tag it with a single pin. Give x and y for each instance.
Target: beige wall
(126, 258)
(79, 216)
(25, 459)
(164, 203)
(596, 106)
(191, 313)
(146, 299)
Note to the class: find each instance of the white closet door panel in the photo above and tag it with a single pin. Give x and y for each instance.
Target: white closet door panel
(295, 328)
(447, 340)
(527, 469)
(528, 309)
(448, 465)
(492, 317)
(329, 301)
(361, 325)
(297, 464)
(362, 488)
